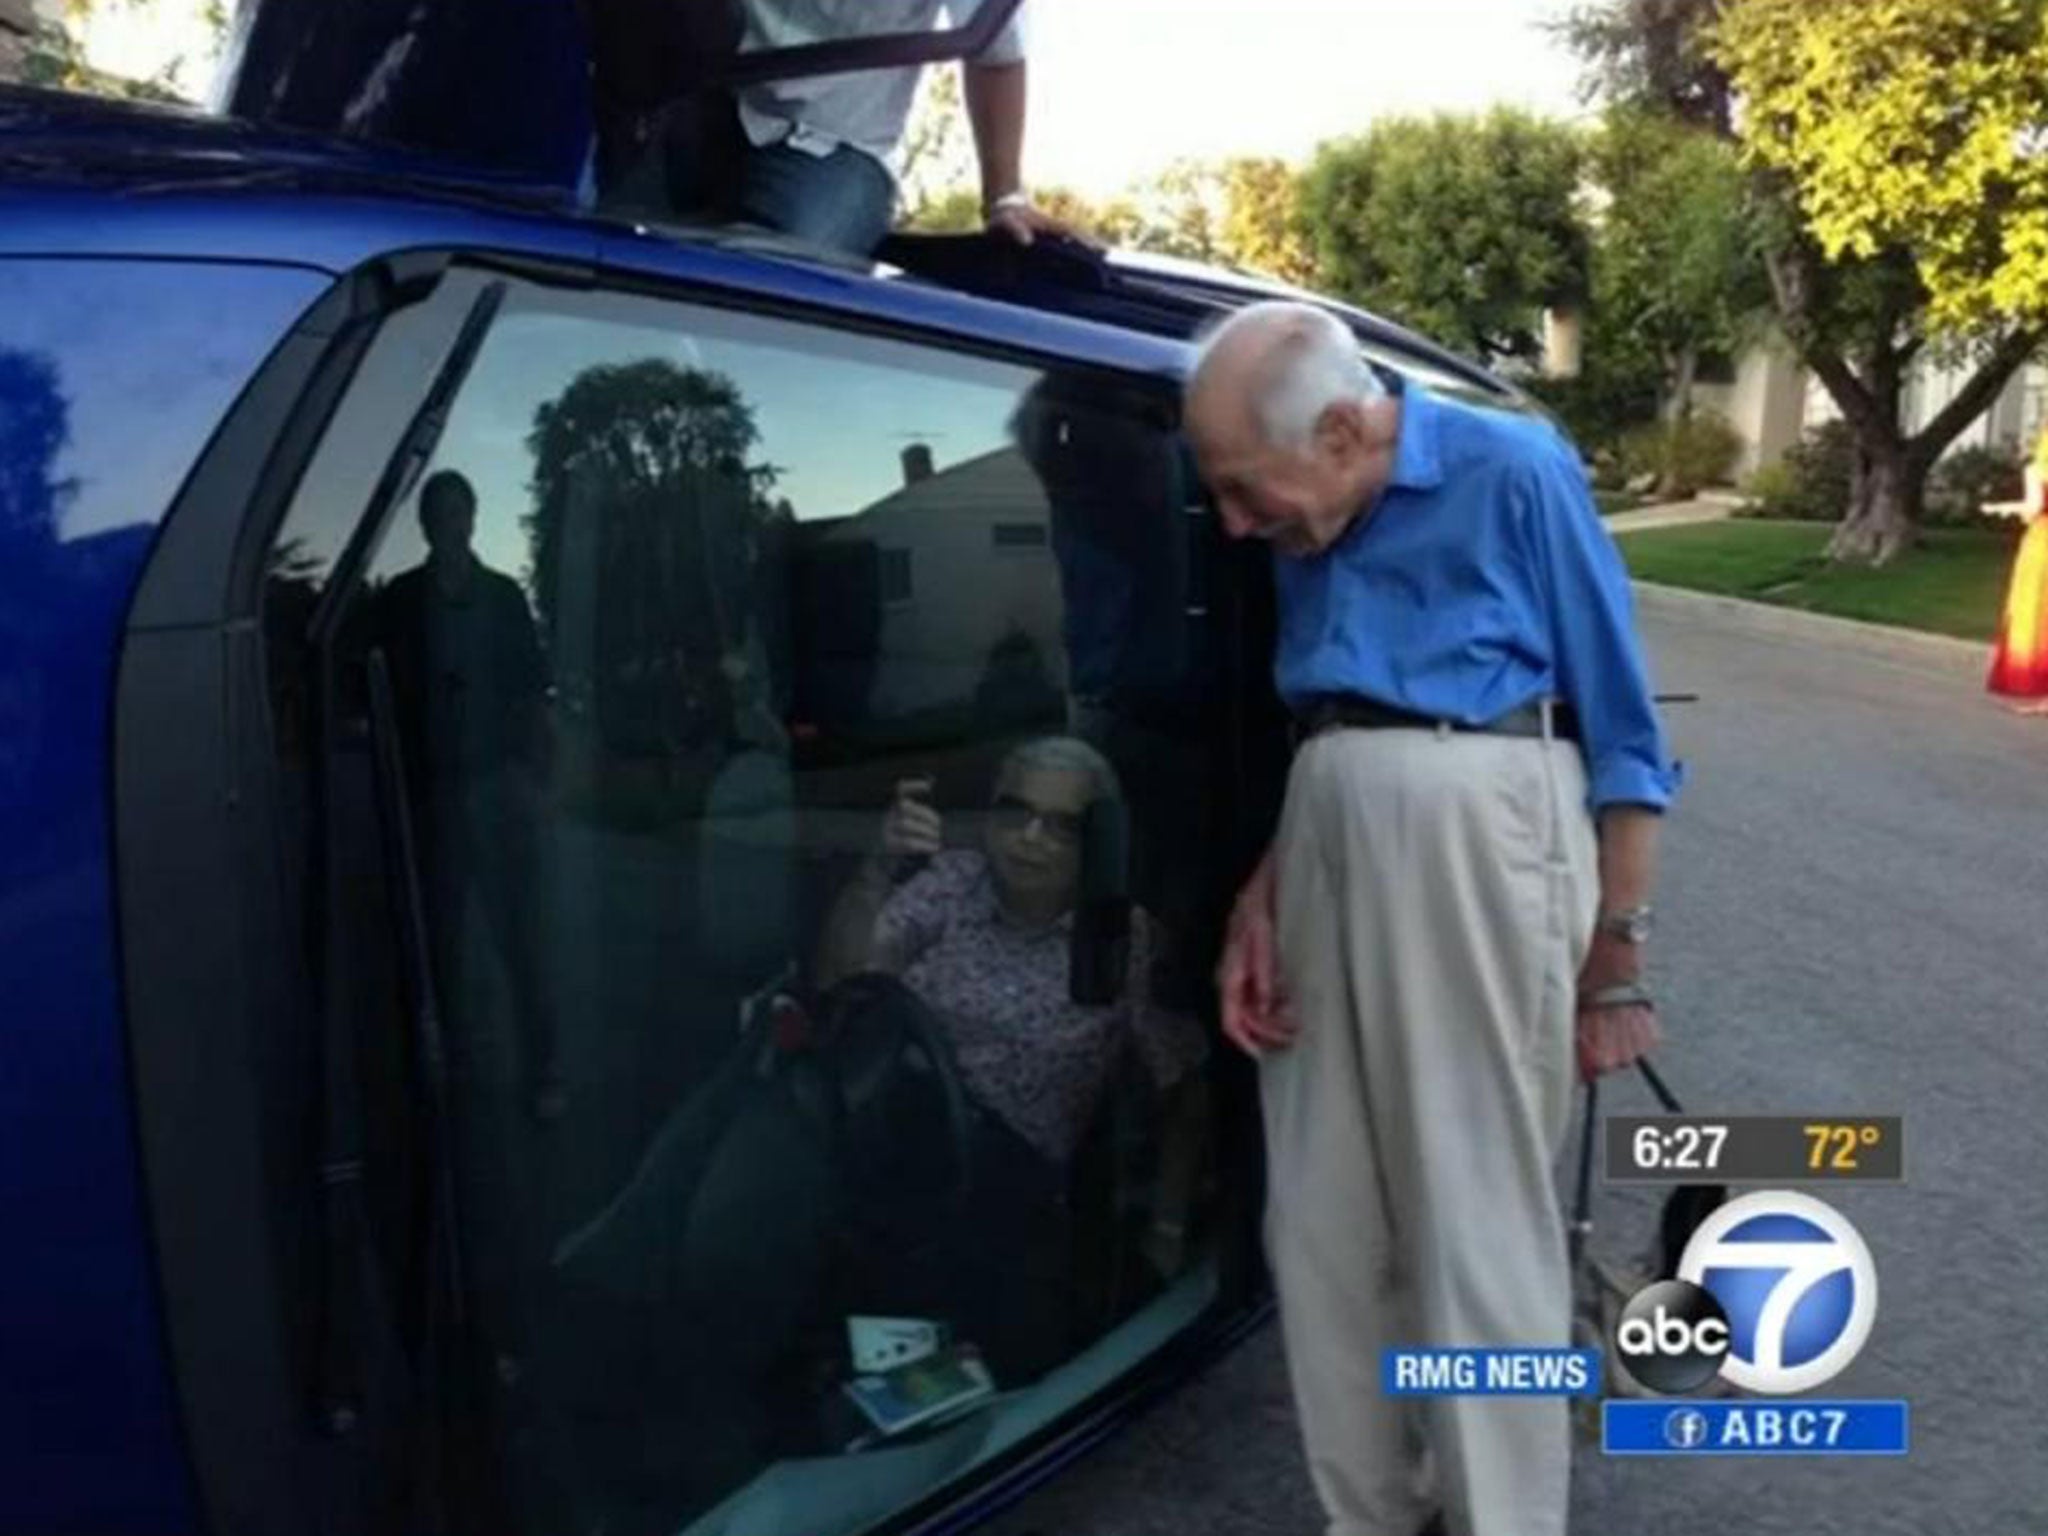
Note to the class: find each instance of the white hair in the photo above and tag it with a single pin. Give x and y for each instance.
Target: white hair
(1065, 754)
(1310, 362)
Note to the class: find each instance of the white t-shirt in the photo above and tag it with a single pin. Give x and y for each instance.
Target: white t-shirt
(867, 108)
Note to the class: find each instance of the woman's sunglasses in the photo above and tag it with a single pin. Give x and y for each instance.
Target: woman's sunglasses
(1013, 814)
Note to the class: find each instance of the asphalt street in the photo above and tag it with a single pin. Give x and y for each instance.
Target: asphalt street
(1853, 917)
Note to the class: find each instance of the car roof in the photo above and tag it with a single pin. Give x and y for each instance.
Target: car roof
(67, 139)
(83, 176)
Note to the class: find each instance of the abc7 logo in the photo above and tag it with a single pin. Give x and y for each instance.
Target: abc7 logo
(1776, 1292)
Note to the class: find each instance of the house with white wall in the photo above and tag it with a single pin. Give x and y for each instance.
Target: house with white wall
(1773, 399)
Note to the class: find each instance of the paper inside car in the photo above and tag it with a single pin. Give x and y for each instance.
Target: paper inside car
(936, 1381)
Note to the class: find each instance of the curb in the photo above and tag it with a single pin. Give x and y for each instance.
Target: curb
(1669, 514)
(1773, 622)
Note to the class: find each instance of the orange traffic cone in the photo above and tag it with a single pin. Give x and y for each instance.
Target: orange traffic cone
(2019, 661)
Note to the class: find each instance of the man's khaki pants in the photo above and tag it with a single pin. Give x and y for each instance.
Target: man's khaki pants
(1437, 893)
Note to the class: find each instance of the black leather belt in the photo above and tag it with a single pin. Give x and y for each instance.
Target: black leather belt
(1353, 712)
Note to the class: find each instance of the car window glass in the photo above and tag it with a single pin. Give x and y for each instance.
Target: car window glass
(393, 376)
(805, 736)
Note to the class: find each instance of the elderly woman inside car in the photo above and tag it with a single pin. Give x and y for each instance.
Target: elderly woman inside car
(985, 936)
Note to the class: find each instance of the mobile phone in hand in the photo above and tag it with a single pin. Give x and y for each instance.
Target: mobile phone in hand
(919, 791)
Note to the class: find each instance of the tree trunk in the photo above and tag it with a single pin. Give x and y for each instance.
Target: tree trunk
(1884, 505)
(1891, 483)
(1890, 479)
(1859, 485)
(1683, 368)
(1887, 479)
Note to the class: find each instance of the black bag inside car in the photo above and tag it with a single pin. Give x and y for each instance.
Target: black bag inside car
(836, 1122)
(696, 1324)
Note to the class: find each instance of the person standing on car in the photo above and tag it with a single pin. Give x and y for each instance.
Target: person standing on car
(810, 156)
(1460, 882)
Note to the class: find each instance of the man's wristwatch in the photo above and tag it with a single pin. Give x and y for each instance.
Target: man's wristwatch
(1007, 200)
(1630, 926)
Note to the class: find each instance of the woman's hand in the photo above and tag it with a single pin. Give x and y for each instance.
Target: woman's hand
(913, 828)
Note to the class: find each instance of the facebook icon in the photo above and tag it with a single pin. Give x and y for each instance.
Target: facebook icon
(1685, 1428)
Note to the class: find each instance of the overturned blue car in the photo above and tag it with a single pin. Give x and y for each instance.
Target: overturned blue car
(612, 835)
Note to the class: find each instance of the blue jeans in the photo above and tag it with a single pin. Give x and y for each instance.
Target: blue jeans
(702, 165)
(843, 200)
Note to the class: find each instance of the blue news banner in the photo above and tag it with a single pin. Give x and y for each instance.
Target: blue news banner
(1490, 1372)
(1791, 1426)
(1749, 1426)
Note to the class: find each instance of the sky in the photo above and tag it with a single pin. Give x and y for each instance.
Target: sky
(1121, 87)
(140, 41)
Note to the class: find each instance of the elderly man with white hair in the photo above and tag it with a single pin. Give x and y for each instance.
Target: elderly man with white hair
(1456, 898)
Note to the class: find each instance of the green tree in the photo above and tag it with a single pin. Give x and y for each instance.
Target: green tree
(1914, 125)
(644, 485)
(1238, 212)
(1464, 227)
(1180, 211)
(1899, 151)
(936, 165)
(1652, 55)
(958, 212)
(1677, 263)
(1904, 101)
(954, 212)
(1262, 225)
(1114, 222)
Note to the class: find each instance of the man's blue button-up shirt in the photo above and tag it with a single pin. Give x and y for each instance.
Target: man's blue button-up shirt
(1478, 581)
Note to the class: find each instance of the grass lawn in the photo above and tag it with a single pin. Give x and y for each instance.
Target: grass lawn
(1952, 584)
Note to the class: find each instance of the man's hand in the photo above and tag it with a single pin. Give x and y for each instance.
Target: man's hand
(1024, 223)
(1611, 1038)
(994, 95)
(1256, 1015)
